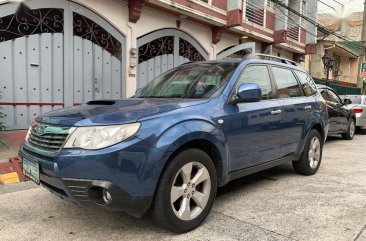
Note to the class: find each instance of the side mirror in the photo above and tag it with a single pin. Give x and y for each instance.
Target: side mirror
(347, 101)
(248, 92)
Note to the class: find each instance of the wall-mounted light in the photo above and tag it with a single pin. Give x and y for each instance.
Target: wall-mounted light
(244, 37)
(133, 57)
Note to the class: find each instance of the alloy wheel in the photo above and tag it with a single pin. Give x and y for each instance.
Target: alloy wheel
(190, 191)
(314, 152)
(352, 128)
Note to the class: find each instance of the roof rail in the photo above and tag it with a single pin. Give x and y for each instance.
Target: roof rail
(271, 57)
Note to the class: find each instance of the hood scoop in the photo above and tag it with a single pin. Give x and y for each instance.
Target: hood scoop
(101, 102)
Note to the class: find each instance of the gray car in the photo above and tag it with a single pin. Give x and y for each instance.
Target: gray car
(359, 107)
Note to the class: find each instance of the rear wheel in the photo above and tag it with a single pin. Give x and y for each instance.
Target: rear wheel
(311, 156)
(186, 191)
(350, 131)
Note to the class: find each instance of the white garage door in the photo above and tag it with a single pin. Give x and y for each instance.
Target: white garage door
(165, 49)
(54, 54)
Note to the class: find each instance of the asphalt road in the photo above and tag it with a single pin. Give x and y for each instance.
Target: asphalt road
(273, 205)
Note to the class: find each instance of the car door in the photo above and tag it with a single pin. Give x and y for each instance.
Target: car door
(295, 106)
(334, 111)
(342, 112)
(253, 130)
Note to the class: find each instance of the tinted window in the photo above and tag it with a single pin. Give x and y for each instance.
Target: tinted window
(196, 80)
(257, 74)
(307, 83)
(328, 95)
(325, 95)
(334, 97)
(286, 83)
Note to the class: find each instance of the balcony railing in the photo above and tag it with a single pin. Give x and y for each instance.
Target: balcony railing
(293, 31)
(254, 13)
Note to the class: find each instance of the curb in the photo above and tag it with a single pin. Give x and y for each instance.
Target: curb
(12, 171)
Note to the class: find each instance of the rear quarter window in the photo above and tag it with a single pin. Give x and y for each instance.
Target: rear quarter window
(307, 83)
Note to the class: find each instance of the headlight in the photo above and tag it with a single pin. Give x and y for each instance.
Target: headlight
(97, 137)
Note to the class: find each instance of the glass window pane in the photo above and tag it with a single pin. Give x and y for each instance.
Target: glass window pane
(286, 83)
(325, 95)
(334, 97)
(307, 83)
(259, 75)
(195, 80)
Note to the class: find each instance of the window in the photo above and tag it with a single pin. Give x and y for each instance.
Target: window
(325, 95)
(307, 83)
(259, 75)
(334, 97)
(286, 83)
(329, 95)
(195, 80)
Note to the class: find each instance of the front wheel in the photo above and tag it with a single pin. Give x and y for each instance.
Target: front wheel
(350, 131)
(311, 156)
(186, 191)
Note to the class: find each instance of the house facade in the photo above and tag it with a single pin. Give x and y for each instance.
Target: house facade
(61, 53)
(345, 52)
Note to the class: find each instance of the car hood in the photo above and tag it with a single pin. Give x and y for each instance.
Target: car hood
(110, 112)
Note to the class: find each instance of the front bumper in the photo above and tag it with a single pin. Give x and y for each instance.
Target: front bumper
(81, 176)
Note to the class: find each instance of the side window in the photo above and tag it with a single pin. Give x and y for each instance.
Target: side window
(334, 97)
(307, 83)
(257, 74)
(325, 95)
(286, 83)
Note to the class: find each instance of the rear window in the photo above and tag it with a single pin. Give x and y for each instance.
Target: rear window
(307, 83)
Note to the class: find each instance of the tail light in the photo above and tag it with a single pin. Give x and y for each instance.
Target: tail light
(357, 110)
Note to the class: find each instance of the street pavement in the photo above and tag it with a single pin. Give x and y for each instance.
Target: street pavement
(276, 204)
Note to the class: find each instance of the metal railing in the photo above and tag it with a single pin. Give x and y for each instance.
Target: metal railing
(254, 13)
(272, 58)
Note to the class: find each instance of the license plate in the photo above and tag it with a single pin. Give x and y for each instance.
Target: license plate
(31, 170)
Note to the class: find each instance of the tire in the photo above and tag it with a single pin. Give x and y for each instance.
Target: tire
(171, 215)
(350, 130)
(310, 159)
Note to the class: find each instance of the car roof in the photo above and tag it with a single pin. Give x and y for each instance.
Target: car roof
(259, 59)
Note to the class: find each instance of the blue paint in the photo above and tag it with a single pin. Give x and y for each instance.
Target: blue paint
(245, 133)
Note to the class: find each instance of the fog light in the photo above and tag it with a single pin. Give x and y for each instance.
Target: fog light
(107, 197)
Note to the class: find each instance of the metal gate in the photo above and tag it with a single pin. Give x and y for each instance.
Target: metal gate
(54, 54)
(165, 49)
(237, 51)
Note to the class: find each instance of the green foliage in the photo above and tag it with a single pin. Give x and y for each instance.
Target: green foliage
(364, 87)
(2, 124)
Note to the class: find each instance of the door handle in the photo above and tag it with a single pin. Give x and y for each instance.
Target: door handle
(308, 107)
(34, 65)
(276, 112)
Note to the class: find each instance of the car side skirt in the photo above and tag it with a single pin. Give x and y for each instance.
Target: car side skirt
(254, 169)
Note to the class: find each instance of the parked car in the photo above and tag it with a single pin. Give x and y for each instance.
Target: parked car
(359, 107)
(189, 131)
(342, 120)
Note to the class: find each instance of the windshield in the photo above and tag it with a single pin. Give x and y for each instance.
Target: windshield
(196, 80)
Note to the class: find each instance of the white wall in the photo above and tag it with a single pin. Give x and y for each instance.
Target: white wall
(283, 53)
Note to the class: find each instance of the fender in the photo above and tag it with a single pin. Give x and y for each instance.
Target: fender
(316, 117)
(194, 129)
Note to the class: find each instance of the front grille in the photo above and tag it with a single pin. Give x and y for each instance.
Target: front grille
(49, 138)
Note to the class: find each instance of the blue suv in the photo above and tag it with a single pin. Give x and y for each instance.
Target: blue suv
(191, 130)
